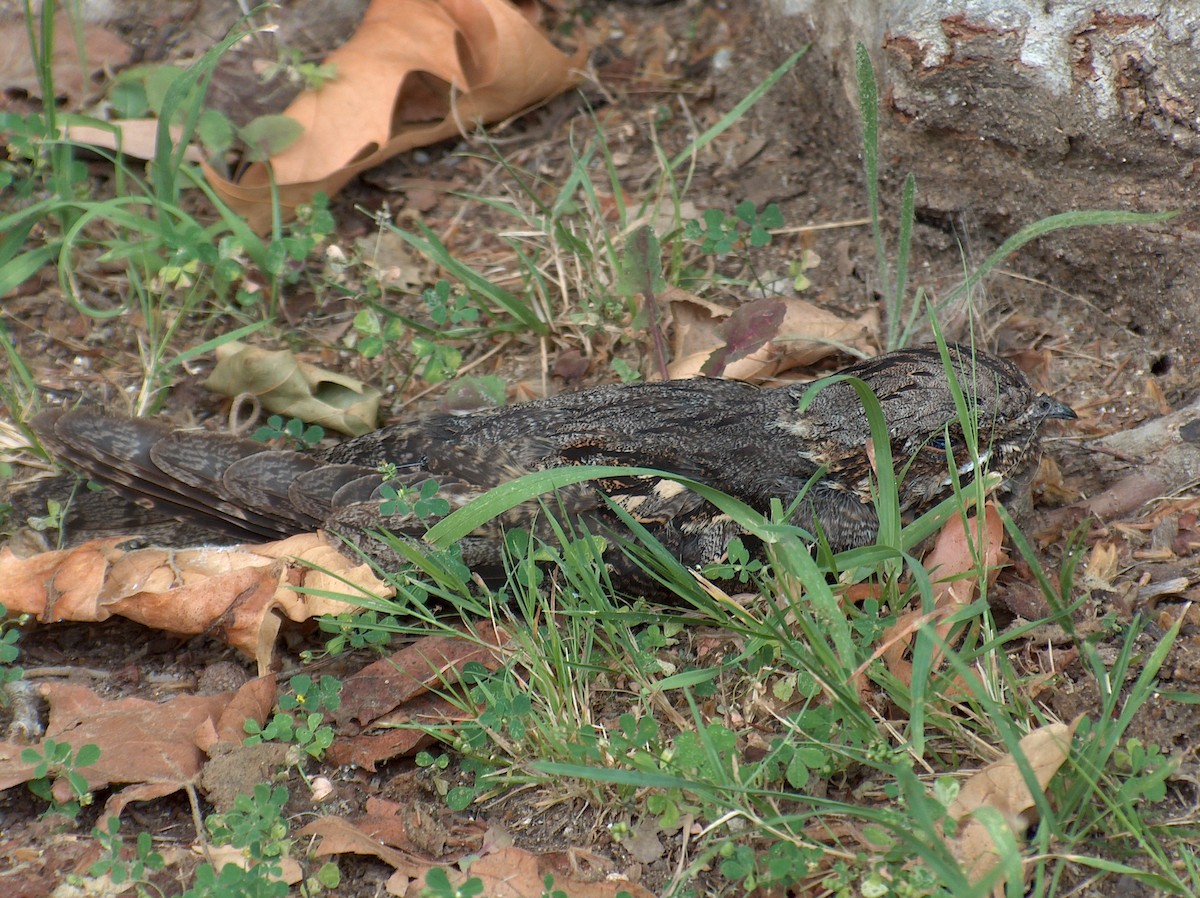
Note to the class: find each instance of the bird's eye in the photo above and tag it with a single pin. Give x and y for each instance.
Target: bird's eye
(938, 443)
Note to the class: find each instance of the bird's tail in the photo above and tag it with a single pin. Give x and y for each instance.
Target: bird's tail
(234, 486)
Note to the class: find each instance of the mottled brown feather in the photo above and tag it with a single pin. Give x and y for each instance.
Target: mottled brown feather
(755, 444)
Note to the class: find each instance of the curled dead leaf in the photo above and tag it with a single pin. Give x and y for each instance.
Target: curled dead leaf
(153, 745)
(806, 334)
(416, 72)
(382, 702)
(1101, 567)
(287, 386)
(232, 593)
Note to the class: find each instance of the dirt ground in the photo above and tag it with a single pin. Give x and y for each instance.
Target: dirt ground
(661, 71)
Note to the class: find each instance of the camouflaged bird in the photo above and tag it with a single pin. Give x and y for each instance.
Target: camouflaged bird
(753, 443)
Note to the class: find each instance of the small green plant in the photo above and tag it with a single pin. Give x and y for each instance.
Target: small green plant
(258, 827)
(506, 707)
(361, 630)
(452, 316)
(421, 500)
(293, 433)
(625, 371)
(1146, 769)
(438, 885)
(121, 870)
(300, 718)
(738, 564)
(461, 797)
(376, 330)
(446, 307)
(720, 232)
(258, 881)
(51, 520)
(430, 761)
(58, 762)
(436, 360)
(10, 635)
(292, 64)
(32, 160)
(780, 865)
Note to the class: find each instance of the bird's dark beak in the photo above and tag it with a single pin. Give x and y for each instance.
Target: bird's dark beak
(1055, 409)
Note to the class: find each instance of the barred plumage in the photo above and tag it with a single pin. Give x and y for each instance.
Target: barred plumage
(755, 444)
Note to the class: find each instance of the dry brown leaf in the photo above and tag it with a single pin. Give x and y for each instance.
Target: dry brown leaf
(137, 137)
(403, 833)
(416, 72)
(951, 563)
(395, 262)
(955, 553)
(338, 835)
(402, 689)
(1048, 483)
(287, 386)
(643, 842)
(232, 593)
(1101, 567)
(393, 738)
(253, 701)
(807, 334)
(516, 873)
(101, 49)
(150, 744)
(1001, 786)
(290, 870)
(507, 872)
(429, 663)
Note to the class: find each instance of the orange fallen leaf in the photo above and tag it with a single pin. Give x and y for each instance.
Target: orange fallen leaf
(137, 137)
(338, 835)
(416, 72)
(1101, 568)
(516, 873)
(152, 745)
(952, 563)
(234, 593)
(403, 833)
(394, 738)
(506, 872)
(431, 662)
(380, 699)
(1002, 787)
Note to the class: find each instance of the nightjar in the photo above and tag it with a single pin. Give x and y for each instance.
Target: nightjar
(752, 443)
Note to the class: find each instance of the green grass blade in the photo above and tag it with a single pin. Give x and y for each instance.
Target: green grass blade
(908, 201)
(1029, 233)
(210, 345)
(733, 115)
(868, 111)
(495, 502)
(510, 303)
